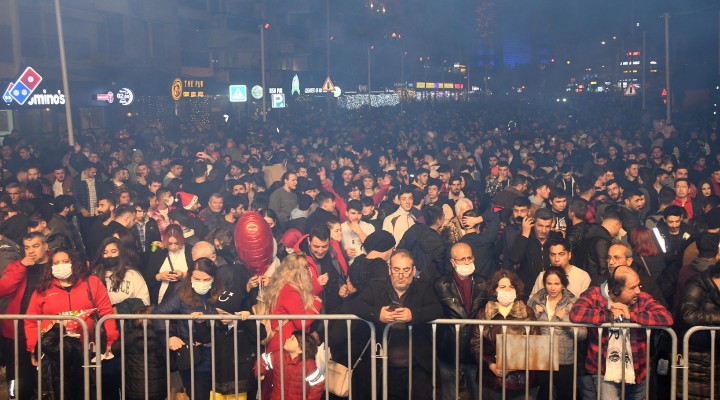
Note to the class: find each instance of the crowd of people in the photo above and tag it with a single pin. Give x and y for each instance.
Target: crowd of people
(444, 212)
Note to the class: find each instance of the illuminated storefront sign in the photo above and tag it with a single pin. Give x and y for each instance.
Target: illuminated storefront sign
(23, 91)
(125, 96)
(109, 97)
(438, 85)
(187, 88)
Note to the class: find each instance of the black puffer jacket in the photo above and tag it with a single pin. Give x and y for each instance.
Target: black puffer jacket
(447, 291)
(135, 364)
(700, 305)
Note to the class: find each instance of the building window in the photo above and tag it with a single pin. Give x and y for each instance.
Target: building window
(195, 59)
(6, 45)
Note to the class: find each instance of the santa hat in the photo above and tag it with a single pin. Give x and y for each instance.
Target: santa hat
(187, 200)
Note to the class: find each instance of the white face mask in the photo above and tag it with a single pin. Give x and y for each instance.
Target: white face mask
(465, 270)
(202, 288)
(506, 297)
(62, 271)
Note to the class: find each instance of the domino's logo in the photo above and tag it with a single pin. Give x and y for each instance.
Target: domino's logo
(23, 88)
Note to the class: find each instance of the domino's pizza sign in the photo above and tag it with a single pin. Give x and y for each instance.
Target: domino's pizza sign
(22, 91)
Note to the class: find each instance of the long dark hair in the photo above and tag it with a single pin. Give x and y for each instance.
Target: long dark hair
(79, 271)
(119, 271)
(129, 245)
(186, 292)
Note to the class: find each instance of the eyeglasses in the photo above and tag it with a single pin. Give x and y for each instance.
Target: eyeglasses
(401, 272)
(615, 258)
(465, 260)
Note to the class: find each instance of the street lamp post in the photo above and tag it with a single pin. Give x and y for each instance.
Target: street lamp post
(63, 69)
(402, 81)
(369, 75)
(262, 66)
(668, 109)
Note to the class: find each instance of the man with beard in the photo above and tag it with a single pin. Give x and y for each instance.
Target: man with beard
(99, 230)
(618, 299)
(455, 193)
(60, 184)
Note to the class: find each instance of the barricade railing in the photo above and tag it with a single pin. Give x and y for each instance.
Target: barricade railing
(215, 320)
(699, 347)
(19, 350)
(527, 326)
(371, 356)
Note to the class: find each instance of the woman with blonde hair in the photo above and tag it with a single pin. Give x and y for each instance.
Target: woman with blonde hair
(289, 292)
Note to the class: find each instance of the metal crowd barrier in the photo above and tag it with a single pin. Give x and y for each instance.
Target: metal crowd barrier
(482, 324)
(19, 348)
(712, 332)
(213, 320)
(371, 355)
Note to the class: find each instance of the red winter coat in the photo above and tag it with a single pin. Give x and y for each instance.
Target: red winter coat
(12, 285)
(293, 372)
(289, 302)
(57, 300)
(313, 267)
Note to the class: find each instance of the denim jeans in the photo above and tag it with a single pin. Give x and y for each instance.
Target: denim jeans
(613, 391)
(446, 375)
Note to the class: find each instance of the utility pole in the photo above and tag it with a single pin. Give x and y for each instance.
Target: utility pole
(369, 98)
(644, 69)
(63, 68)
(402, 81)
(668, 108)
(327, 60)
(262, 66)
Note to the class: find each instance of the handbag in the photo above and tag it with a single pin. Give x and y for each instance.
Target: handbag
(96, 318)
(182, 358)
(338, 376)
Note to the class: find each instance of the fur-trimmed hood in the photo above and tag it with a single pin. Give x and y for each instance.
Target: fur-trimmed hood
(518, 310)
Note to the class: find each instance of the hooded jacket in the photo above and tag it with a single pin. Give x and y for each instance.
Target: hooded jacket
(595, 247)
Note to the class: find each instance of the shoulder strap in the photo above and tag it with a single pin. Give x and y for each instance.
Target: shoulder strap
(96, 314)
(646, 267)
(90, 296)
(172, 268)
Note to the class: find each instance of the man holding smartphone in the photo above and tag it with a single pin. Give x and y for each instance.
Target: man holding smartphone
(403, 301)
